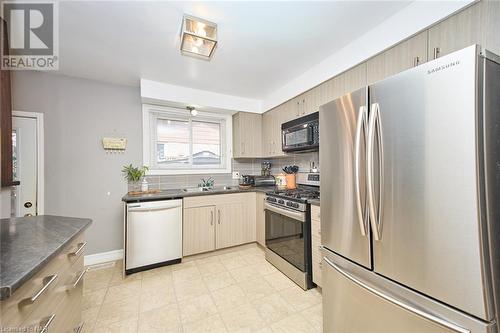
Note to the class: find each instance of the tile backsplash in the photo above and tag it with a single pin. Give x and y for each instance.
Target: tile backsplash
(243, 166)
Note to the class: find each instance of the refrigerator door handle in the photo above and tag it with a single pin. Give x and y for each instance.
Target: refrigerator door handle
(360, 133)
(400, 303)
(374, 126)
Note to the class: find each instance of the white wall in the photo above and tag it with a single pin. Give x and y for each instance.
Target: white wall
(171, 95)
(81, 180)
(412, 19)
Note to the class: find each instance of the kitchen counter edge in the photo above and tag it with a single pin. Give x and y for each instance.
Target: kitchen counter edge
(178, 194)
(63, 229)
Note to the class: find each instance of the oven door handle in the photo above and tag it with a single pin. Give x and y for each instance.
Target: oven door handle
(299, 216)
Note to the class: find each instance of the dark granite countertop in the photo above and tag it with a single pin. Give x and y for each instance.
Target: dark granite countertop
(179, 193)
(27, 244)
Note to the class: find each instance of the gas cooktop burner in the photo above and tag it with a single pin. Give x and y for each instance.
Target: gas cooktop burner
(300, 194)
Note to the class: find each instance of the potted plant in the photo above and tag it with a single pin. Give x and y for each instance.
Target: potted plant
(133, 175)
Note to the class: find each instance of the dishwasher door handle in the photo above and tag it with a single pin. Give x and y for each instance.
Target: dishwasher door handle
(152, 209)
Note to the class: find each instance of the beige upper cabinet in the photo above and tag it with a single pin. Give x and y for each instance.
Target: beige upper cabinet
(267, 128)
(198, 229)
(351, 80)
(477, 24)
(247, 135)
(456, 32)
(490, 18)
(271, 125)
(410, 53)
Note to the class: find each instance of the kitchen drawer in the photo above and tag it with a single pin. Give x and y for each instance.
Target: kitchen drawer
(63, 301)
(16, 309)
(315, 213)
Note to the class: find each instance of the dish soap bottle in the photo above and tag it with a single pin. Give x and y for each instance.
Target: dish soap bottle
(144, 185)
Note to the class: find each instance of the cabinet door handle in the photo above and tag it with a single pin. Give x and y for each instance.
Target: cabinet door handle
(218, 221)
(298, 108)
(47, 281)
(243, 148)
(212, 217)
(81, 246)
(436, 52)
(304, 106)
(79, 279)
(416, 61)
(79, 329)
(45, 323)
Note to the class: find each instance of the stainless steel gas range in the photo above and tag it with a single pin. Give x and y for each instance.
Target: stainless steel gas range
(288, 229)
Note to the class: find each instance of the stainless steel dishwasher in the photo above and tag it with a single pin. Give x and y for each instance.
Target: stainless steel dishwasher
(153, 234)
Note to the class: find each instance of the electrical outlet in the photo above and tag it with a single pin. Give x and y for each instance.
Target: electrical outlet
(236, 175)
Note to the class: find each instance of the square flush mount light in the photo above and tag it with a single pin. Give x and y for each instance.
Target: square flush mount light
(198, 37)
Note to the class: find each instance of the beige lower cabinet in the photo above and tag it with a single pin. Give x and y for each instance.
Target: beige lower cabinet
(198, 229)
(213, 222)
(52, 299)
(261, 219)
(316, 244)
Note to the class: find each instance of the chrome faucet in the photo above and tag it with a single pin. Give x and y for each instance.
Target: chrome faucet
(207, 183)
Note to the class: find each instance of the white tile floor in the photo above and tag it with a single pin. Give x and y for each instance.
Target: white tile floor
(233, 290)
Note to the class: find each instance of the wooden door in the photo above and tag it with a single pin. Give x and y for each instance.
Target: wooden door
(232, 224)
(5, 118)
(456, 32)
(198, 230)
(405, 55)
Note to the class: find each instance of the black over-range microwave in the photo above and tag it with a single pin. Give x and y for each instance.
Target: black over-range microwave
(301, 134)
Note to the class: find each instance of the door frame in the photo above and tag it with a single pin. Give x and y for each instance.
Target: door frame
(40, 152)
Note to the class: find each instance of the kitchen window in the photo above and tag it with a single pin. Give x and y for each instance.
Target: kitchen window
(177, 143)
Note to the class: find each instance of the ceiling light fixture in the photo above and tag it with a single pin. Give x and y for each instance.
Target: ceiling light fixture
(198, 37)
(192, 110)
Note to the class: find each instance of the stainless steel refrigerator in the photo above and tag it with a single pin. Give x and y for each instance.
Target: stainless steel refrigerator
(410, 200)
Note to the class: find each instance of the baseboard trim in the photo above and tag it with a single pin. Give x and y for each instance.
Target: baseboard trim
(103, 257)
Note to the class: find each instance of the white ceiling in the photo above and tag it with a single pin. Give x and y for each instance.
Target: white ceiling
(262, 44)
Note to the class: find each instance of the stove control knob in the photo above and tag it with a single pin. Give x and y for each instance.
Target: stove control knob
(288, 203)
(281, 201)
(295, 205)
